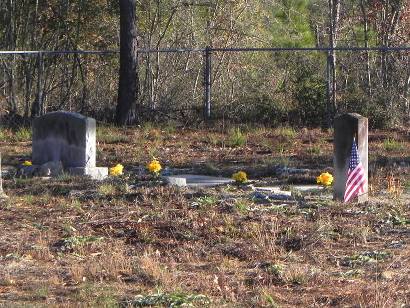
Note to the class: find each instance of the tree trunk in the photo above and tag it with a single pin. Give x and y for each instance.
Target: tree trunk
(11, 45)
(366, 45)
(334, 13)
(37, 108)
(127, 88)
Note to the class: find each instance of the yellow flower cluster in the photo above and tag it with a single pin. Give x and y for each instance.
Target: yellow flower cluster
(116, 170)
(27, 163)
(154, 166)
(240, 177)
(325, 179)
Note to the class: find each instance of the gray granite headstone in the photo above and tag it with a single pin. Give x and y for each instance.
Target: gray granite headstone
(67, 137)
(347, 127)
(64, 136)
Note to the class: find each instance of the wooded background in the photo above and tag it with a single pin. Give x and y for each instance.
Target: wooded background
(263, 87)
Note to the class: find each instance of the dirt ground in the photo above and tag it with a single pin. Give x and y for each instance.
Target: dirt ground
(133, 241)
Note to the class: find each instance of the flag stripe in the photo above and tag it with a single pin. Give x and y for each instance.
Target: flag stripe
(353, 194)
(353, 180)
(356, 177)
(354, 190)
(356, 171)
(355, 185)
(352, 184)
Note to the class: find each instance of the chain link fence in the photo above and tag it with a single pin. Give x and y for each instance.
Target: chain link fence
(260, 85)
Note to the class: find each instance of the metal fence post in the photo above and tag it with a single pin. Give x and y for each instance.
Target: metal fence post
(40, 84)
(329, 109)
(207, 83)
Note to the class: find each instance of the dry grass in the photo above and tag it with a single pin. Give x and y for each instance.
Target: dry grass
(109, 242)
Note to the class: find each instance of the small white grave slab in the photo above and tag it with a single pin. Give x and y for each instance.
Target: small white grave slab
(193, 180)
(269, 189)
(266, 193)
(307, 188)
(277, 189)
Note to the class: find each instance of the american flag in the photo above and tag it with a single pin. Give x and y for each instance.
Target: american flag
(356, 178)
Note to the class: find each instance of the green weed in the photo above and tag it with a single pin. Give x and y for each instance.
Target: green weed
(168, 300)
(23, 134)
(147, 127)
(41, 293)
(107, 189)
(79, 241)
(287, 133)
(210, 169)
(275, 269)
(236, 138)
(213, 140)
(65, 177)
(169, 128)
(206, 201)
(315, 150)
(4, 135)
(75, 203)
(297, 276)
(29, 199)
(96, 295)
(271, 302)
(391, 145)
(242, 206)
(407, 185)
(276, 161)
(109, 134)
(281, 148)
(106, 299)
(6, 204)
(68, 229)
(40, 226)
(11, 256)
(354, 273)
(365, 257)
(396, 219)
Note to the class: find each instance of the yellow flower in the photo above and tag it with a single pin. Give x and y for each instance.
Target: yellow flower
(154, 166)
(116, 170)
(27, 163)
(240, 177)
(325, 179)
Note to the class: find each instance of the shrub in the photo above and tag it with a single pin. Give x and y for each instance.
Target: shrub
(310, 94)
